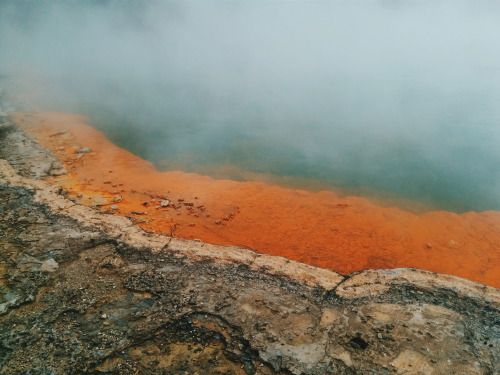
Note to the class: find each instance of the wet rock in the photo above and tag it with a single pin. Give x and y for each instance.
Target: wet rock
(25, 155)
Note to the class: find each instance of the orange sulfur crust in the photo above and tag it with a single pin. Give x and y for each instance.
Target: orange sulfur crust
(343, 234)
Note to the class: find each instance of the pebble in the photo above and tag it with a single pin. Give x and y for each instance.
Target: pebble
(164, 203)
(83, 150)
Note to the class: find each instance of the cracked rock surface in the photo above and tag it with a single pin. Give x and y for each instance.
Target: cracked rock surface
(83, 292)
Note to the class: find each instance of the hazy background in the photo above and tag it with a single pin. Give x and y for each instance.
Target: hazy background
(398, 97)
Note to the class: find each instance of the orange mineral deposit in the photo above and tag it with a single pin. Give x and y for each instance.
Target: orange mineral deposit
(319, 228)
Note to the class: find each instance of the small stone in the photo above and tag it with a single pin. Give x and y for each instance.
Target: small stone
(104, 316)
(83, 150)
(164, 203)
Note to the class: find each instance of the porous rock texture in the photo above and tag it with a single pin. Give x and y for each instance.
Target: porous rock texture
(84, 292)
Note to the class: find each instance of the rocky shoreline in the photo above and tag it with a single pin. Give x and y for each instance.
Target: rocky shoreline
(85, 292)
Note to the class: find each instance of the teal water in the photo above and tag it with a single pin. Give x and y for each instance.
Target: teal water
(457, 178)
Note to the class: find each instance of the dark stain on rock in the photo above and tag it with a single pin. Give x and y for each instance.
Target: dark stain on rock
(358, 343)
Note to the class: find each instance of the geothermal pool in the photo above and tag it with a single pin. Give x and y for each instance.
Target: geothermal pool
(345, 234)
(347, 135)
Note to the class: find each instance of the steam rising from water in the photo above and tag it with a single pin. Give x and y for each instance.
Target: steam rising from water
(396, 96)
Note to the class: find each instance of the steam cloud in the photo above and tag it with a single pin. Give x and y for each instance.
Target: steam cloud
(396, 96)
